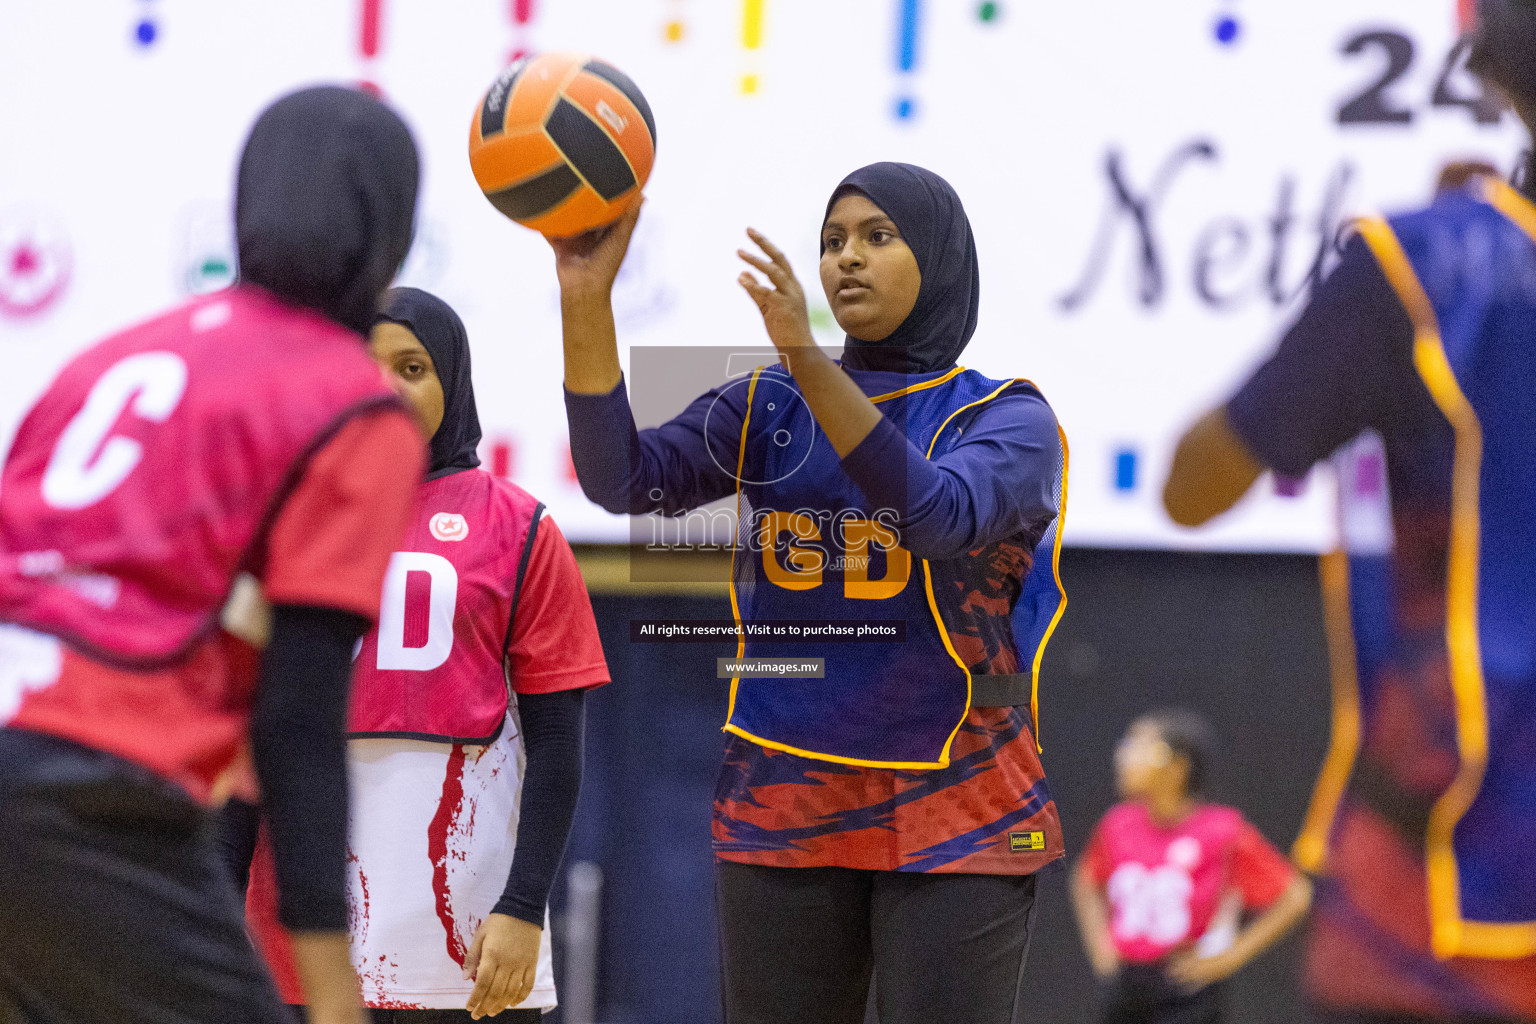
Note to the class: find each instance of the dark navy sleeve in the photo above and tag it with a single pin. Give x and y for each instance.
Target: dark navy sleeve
(1000, 480)
(553, 725)
(686, 462)
(298, 737)
(236, 826)
(1346, 365)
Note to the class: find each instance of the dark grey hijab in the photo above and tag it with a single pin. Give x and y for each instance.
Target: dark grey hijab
(325, 201)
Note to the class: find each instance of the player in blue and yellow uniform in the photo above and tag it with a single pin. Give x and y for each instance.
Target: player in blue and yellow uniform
(1426, 813)
(890, 816)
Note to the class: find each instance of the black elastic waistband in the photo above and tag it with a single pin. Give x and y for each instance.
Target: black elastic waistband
(1001, 691)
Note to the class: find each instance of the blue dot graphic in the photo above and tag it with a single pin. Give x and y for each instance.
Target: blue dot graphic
(905, 108)
(1125, 470)
(1227, 30)
(145, 33)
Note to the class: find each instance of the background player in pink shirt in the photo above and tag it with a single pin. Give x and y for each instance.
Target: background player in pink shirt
(1163, 886)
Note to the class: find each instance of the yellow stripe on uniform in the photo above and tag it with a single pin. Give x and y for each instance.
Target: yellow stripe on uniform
(741, 456)
(1061, 607)
(1310, 851)
(1451, 934)
(1511, 204)
(924, 386)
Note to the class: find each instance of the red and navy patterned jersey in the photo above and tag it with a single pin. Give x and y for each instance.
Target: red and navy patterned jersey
(976, 595)
(989, 812)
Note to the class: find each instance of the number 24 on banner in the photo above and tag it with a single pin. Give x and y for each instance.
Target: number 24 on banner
(1373, 105)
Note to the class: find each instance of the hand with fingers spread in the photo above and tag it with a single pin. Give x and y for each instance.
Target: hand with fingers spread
(502, 960)
(782, 300)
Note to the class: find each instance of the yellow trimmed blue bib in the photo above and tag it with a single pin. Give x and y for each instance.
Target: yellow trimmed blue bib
(811, 549)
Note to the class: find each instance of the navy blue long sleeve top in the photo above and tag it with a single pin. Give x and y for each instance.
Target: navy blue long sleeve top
(999, 480)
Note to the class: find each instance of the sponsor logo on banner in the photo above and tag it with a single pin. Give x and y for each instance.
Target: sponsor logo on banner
(205, 249)
(449, 526)
(35, 263)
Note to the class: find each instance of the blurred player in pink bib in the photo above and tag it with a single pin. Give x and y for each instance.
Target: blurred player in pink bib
(1162, 889)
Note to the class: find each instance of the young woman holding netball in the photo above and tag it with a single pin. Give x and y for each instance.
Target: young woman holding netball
(464, 738)
(888, 818)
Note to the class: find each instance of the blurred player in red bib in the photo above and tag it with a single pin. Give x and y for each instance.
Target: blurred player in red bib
(1162, 888)
(240, 444)
(466, 722)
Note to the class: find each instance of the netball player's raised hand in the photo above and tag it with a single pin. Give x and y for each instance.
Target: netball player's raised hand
(782, 301)
(586, 265)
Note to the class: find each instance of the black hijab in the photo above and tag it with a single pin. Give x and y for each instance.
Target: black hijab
(325, 201)
(442, 334)
(931, 220)
(1504, 51)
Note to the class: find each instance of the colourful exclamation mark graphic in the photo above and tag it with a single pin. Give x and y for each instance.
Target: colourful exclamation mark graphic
(370, 27)
(1370, 475)
(989, 12)
(568, 465)
(502, 452)
(1125, 469)
(751, 41)
(145, 30)
(676, 27)
(522, 41)
(1227, 28)
(907, 15)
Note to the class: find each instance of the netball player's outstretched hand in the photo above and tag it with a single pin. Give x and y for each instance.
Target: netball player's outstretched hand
(502, 958)
(782, 300)
(586, 265)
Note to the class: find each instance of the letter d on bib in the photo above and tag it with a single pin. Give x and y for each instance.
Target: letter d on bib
(393, 654)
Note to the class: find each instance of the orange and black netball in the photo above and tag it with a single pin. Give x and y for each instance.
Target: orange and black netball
(562, 143)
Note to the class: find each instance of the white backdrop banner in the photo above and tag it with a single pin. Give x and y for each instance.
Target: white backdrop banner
(1152, 185)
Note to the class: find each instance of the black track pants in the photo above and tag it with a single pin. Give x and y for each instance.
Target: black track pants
(800, 945)
(113, 904)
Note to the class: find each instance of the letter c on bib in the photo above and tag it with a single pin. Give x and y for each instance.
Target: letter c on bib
(88, 463)
(393, 654)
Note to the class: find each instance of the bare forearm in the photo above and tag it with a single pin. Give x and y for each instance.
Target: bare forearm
(1092, 912)
(1270, 926)
(591, 344)
(331, 989)
(841, 409)
(586, 267)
